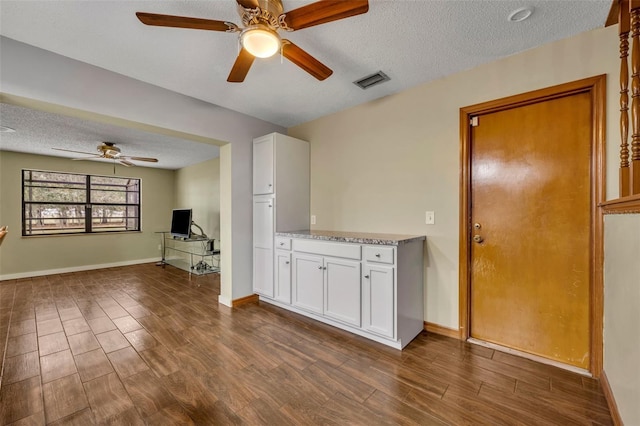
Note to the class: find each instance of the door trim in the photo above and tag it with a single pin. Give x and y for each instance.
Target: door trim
(596, 88)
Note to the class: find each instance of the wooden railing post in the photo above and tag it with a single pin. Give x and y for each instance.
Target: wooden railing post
(624, 25)
(635, 97)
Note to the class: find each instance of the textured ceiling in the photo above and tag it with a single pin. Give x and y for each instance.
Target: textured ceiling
(411, 41)
(39, 132)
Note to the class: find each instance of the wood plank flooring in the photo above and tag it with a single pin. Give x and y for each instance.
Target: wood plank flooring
(147, 345)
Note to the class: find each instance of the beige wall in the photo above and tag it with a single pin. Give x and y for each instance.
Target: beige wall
(622, 316)
(379, 166)
(29, 256)
(197, 187)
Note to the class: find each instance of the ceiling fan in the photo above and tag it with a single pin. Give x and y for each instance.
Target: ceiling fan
(110, 151)
(259, 35)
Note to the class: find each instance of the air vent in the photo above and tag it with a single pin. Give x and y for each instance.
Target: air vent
(371, 80)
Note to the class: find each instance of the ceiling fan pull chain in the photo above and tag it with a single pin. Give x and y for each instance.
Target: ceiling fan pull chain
(281, 55)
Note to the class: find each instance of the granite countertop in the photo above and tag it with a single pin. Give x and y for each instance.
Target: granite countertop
(353, 237)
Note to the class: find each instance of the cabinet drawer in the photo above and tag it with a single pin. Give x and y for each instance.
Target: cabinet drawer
(378, 254)
(324, 248)
(283, 243)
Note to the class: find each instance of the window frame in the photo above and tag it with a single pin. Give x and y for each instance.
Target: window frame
(87, 187)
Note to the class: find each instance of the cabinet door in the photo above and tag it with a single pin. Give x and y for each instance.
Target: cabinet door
(263, 176)
(342, 290)
(263, 271)
(378, 296)
(283, 276)
(263, 229)
(308, 282)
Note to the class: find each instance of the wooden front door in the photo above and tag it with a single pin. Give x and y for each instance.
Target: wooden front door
(530, 222)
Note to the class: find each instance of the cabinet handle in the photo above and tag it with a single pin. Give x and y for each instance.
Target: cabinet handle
(377, 254)
(319, 267)
(281, 244)
(270, 185)
(286, 263)
(366, 276)
(270, 205)
(325, 268)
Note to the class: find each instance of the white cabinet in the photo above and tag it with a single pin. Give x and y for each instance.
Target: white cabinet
(283, 276)
(283, 243)
(283, 270)
(308, 280)
(342, 290)
(281, 203)
(263, 221)
(263, 234)
(326, 279)
(378, 293)
(378, 254)
(374, 289)
(263, 178)
(327, 286)
(263, 271)
(281, 168)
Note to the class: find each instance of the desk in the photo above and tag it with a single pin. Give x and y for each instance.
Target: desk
(189, 254)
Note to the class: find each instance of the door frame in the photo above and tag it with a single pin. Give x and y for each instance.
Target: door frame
(596, 88)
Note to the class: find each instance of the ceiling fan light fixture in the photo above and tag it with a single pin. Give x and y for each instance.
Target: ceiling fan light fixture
(109, 150)
(260, 41)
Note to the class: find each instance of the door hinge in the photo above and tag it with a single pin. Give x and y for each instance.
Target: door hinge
(474, 121)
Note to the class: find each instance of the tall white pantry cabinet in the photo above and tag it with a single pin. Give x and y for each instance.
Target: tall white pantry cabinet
(280, 202)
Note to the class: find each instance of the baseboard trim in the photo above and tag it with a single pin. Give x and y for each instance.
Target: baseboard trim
(81, 268)
(224, 301)
(611, 401)
(441, 330)
(252, 298)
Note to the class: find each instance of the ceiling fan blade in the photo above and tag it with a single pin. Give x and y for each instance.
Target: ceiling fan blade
(97, 157)
(126, 163)
(182, 22)
(324, 11)
(77, 152)
(150, 160)
(248, 4)
(241, 67)
(305, 61)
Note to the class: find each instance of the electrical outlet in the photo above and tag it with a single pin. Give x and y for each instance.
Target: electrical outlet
(430, 218)
(313, 219)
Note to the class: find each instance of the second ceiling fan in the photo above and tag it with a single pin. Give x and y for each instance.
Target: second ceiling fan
(259, 35)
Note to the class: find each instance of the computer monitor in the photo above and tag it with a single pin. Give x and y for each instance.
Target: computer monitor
(181, 223)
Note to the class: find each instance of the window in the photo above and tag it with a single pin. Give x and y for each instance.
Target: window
(69, 203)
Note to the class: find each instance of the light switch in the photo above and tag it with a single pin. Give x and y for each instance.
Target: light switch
(430, 218)
(313, 219)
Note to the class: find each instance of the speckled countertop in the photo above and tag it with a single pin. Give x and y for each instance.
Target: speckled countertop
(353, 237)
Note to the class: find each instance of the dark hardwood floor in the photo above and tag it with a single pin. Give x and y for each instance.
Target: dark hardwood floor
(146, 345)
